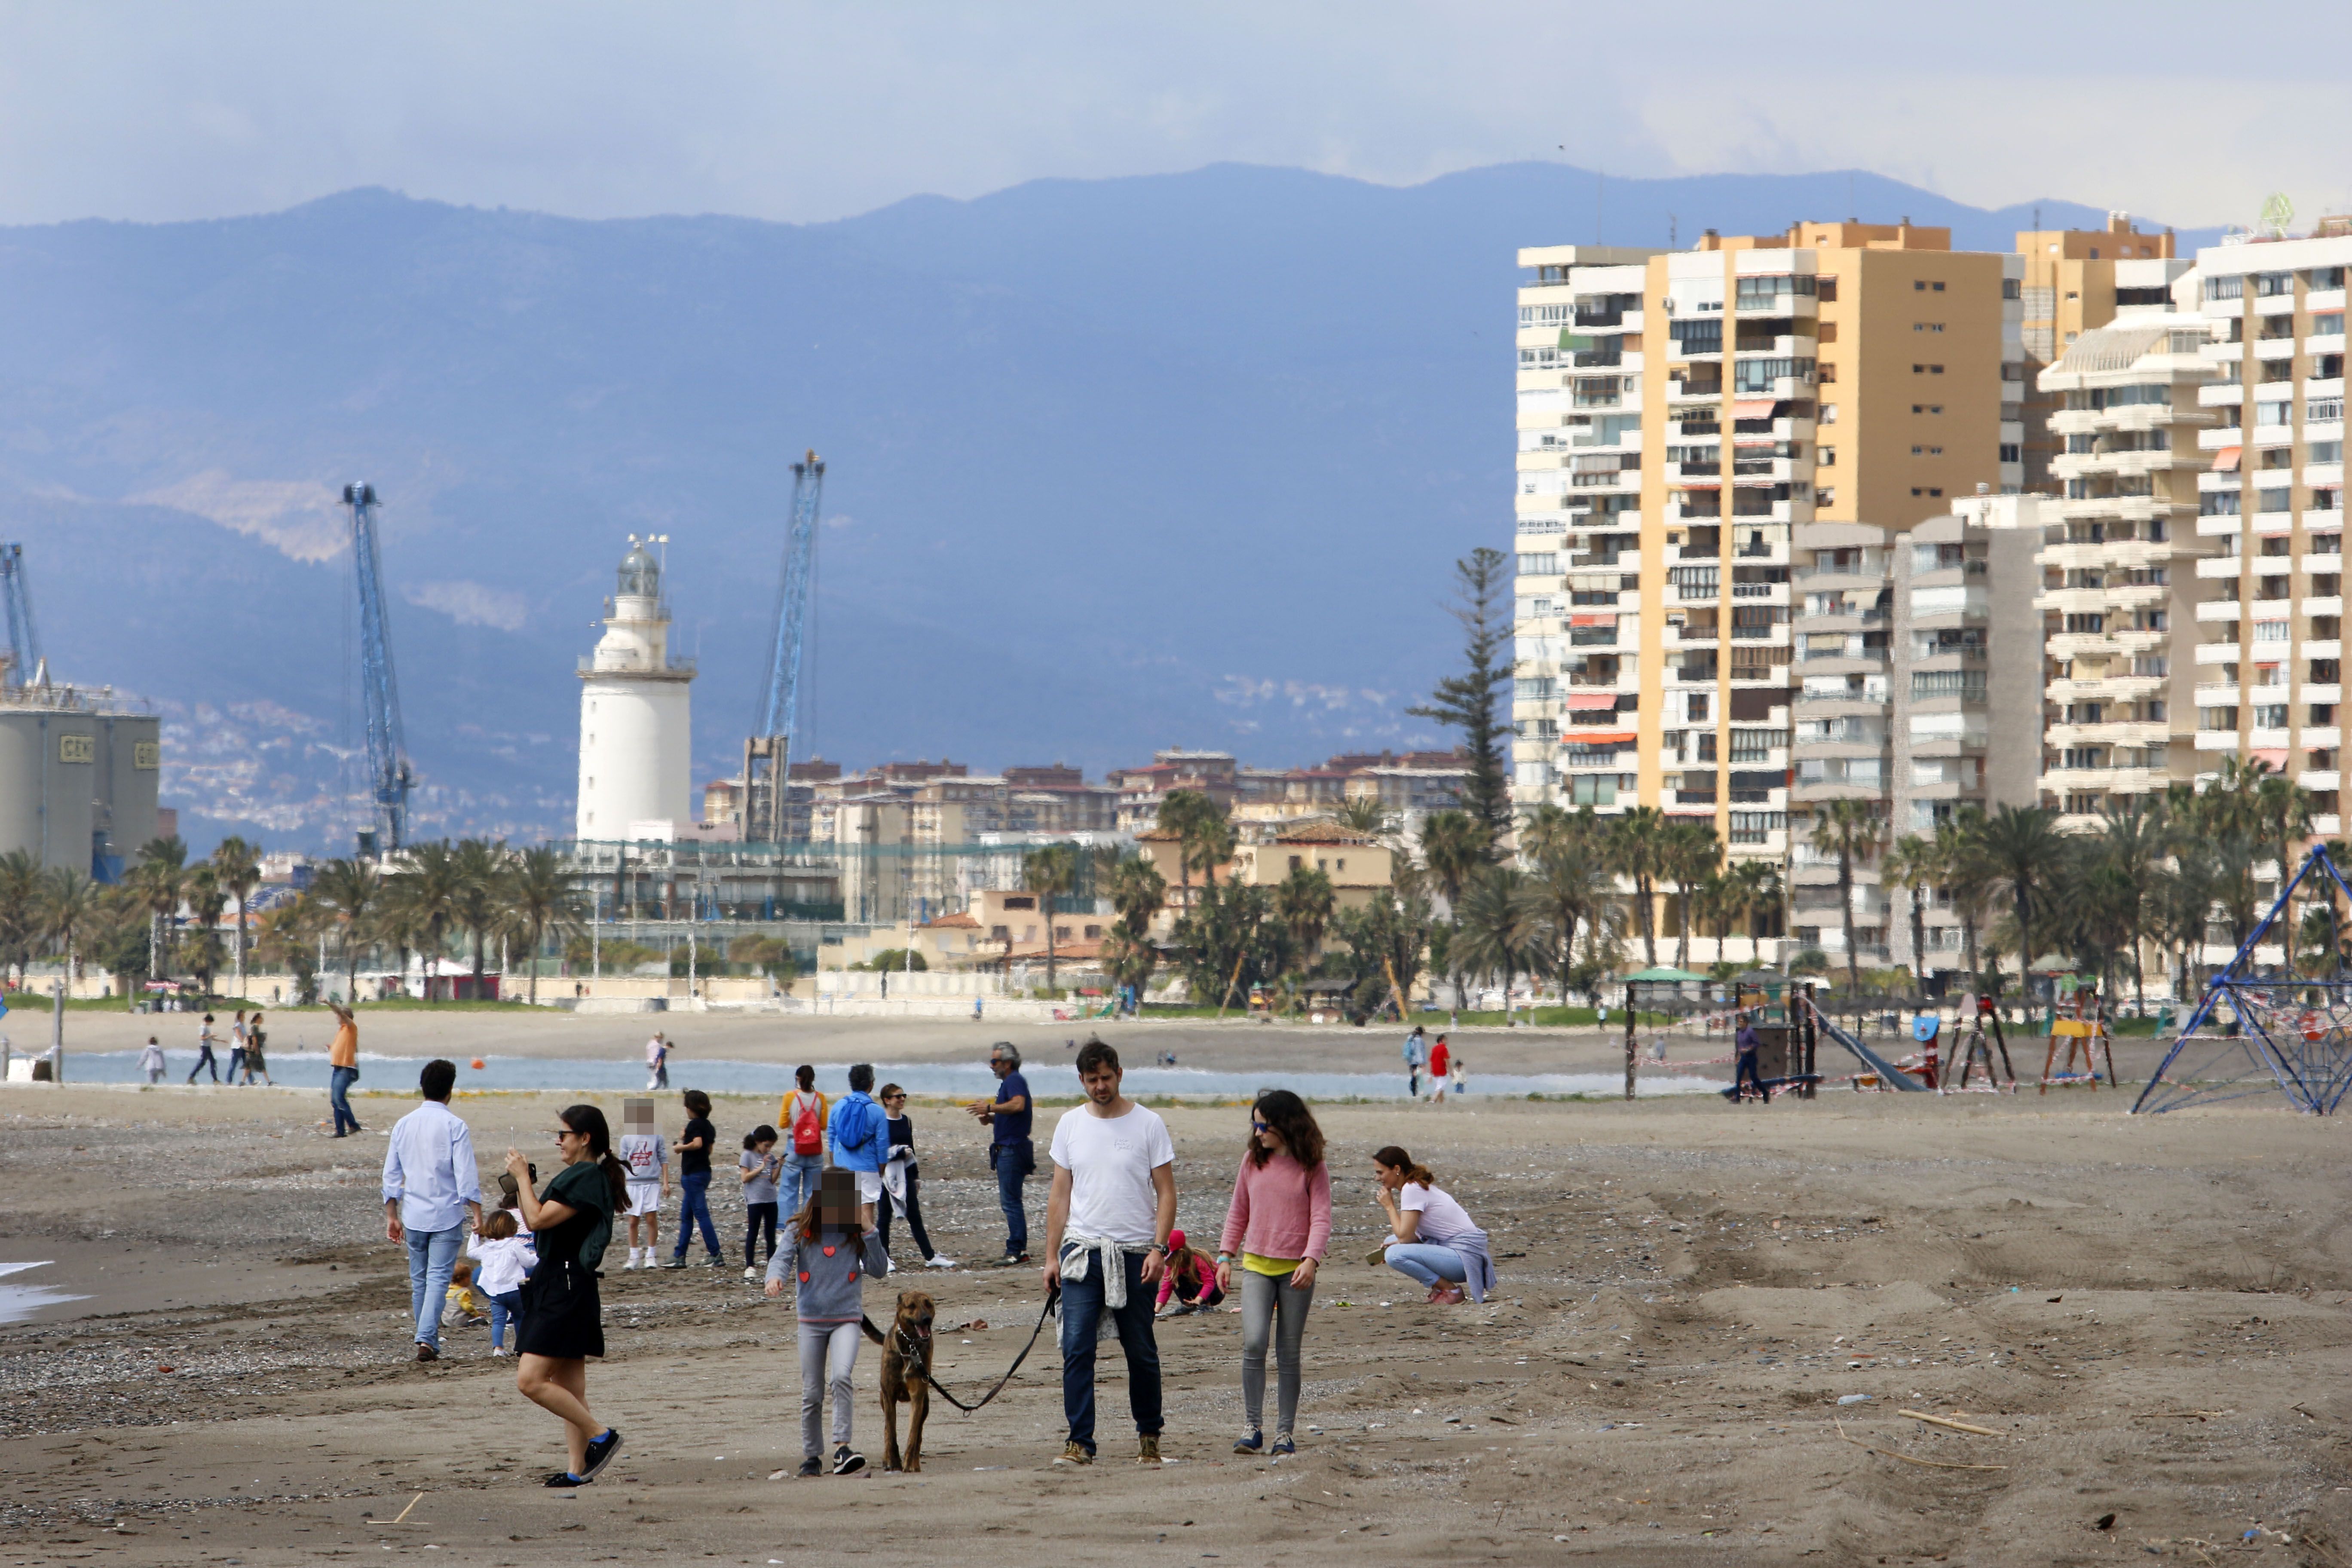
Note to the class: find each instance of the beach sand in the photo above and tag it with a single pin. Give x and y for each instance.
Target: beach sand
(2150, 1312)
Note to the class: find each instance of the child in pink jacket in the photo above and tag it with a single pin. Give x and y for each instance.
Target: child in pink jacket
(1277, 1229)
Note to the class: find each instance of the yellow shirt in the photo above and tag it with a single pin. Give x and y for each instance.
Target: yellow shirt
(1274, 1265)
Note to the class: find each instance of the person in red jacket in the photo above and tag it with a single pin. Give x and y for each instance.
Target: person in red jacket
(1441, 1062)
(1277, 1229)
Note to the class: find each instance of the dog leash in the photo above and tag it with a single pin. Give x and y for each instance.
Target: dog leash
(1053, 1297)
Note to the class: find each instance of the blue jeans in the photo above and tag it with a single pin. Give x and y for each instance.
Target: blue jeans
(796, 1183)
(1745, 1074)
(505, 1309)
(1006, 1158)
(1426, 1263)
(339, 1088)
(694, 1203)
(432, 1257)
(1082, 1310)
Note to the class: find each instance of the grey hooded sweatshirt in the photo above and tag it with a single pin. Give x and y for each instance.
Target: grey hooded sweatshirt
(829, 1273)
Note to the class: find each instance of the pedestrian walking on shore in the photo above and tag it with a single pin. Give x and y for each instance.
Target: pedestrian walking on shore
(833, 1254)
(236, 1047)
(858, 1139)
(1107, 1225)
(344, 1069)
(430, 1189)
(1416, 1054)
(1744, 1046)
(657, 1062)
(205, 1062)
(255, 1062)
(1441, 1062)
(758, 1166)
(1277, 1228)
(902, 1178)
(694, 1141)
(150, 1061)
(644, 1163)
(562, 1320)
(1430, 1238)
(802, 1120)
(1010, 1154)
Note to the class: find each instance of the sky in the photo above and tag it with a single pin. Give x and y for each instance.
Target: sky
(157, 111)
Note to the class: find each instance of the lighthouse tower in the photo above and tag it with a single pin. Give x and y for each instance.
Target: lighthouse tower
(636, 742)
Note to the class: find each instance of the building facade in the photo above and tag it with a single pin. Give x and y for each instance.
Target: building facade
(635, 723)
(2077, 280)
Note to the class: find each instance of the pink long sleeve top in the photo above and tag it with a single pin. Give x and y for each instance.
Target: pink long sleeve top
(1279, 1210)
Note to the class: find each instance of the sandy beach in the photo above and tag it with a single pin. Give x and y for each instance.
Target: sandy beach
(2148, 1316)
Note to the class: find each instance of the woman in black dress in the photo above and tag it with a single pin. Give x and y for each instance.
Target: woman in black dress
(563, 1321)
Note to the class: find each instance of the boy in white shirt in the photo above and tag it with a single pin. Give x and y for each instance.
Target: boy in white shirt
(646, 1155)
(1107, 1225)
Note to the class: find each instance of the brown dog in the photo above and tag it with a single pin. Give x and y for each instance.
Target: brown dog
(906, 1378)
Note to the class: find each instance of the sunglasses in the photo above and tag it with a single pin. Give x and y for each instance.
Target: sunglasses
(564, 1132)
(1257, 1126)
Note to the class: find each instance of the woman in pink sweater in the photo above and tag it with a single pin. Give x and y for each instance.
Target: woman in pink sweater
(1277, 1229)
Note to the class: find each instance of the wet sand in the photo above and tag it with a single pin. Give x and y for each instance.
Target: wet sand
(2151, 1313)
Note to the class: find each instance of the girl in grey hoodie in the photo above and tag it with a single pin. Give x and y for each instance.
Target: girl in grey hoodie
(831, 1260)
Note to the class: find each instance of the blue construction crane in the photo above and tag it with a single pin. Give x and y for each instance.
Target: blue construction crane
(387, 748)
(771, 741)
(24, 641)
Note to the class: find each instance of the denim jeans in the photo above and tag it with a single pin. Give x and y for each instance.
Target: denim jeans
(1082, 1311)
(505, 1309)
(1746, 1074)
(339, 1088)
(796, 1183)
(1426, 1263)
(432, 1257)
(1006, 1158)
(694, 1203)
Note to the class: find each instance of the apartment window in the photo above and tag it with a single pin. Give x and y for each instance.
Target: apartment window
(1829, 410)
(1826, 287)
(2011, 452)
(2012, 288)
(1825, 496)
(2225, 287)
(1926, 326)
(1540, 565)
(2269, 716)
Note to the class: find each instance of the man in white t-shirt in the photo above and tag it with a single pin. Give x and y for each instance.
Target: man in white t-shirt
(1107, 1225)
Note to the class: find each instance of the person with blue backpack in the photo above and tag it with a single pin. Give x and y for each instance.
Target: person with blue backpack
(857, 1137)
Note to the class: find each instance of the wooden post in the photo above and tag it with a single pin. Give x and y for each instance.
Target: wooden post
(1629, 1040)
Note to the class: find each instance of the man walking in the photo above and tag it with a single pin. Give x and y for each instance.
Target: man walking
(1745, 1045)
(657, 1062)
(205, 1061)
(1010, 1153)
(343, 1068)
(1107, 1225)
(430, 1189)
(1416, 1054)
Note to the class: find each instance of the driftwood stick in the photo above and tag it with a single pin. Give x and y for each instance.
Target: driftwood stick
(1931, 1464)
(1954, 1426)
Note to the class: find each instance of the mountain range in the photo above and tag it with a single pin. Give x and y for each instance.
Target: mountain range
(1112, 464)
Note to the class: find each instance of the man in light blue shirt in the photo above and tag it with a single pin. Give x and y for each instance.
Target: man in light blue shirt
(858, 1135)
(1416, 1056)
(431, 1188)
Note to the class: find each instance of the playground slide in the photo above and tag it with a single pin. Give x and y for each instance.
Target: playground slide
(1888, 1073)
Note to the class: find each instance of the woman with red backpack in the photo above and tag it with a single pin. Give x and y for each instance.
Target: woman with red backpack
(801, 1119)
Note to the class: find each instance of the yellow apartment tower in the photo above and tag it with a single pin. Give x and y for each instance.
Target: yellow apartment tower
(2077, 280)
(1681, 415)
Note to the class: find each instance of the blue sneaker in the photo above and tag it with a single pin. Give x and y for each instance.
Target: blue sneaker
(1283, 1445)
(1250, 1443)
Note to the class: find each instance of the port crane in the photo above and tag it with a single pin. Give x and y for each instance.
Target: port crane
(24, 640)
(389, 775)
(767, 753)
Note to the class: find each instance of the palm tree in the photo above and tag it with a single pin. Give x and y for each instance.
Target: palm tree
(237, 866)
(1913, 863)
(1502, 928)
(159, 876)
(1303, 902)
(1689, 856)
(349, 893)
(1851, 830)
(429, 889)
(479, 899)
(71, 906)
(540, 899)
(206, 899)
(397, 919)
(1367, 814)
(1049, 872)
(1456, 847)
(2136, 843)
(2282, 808)
(20, 910)
(1572, 876)
(1754, 888)
(1637, 845)
(1137, 892)
(2020, 846)
(1181, 813)
(1967, 878)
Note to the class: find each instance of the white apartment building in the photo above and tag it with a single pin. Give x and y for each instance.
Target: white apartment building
(2125, 564)
(2270, 645)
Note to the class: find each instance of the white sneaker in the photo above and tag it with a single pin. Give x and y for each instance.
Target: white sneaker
(632, 1263)
(749, 1272)
(939, 1260)
(889, 1266)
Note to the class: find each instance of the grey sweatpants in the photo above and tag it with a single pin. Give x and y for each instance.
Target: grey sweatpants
(1265, 1299)
(829, 1356)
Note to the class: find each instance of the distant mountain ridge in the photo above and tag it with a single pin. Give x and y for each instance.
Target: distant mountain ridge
(1120, 464)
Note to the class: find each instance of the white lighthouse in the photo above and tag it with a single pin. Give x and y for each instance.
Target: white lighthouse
(636, 727)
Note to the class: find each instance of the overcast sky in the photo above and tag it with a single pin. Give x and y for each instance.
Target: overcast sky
(2189, 113)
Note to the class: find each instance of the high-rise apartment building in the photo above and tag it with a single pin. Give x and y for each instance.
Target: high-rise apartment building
(2077, 280)
(1679, 414)
(2123, 562)
(2269, 657)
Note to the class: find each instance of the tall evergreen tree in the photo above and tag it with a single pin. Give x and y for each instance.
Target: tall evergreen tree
(1471, 702)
